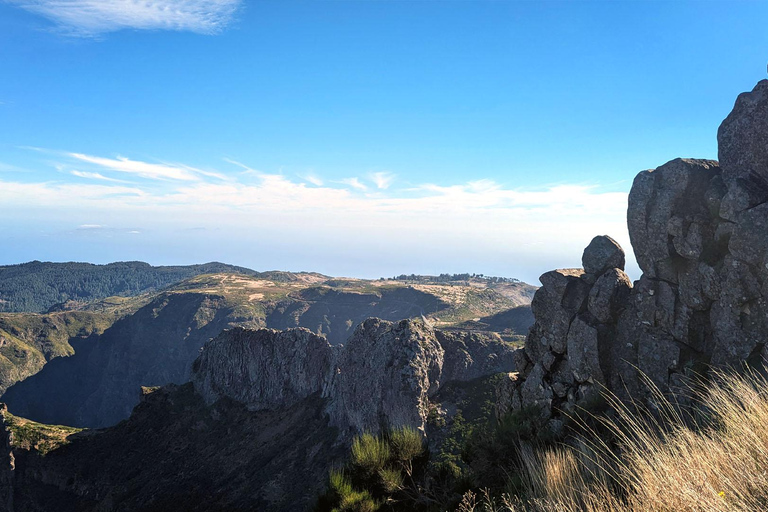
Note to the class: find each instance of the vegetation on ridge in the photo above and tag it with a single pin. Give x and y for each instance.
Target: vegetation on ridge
(36, 286)
(30, 435)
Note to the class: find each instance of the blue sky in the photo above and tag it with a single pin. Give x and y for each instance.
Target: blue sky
(362, 138)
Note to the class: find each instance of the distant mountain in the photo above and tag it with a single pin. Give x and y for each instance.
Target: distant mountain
(153, 339)
(36, 286)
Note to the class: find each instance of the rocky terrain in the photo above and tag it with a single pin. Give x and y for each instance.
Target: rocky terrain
(116, 345)
(266, 415)
(698, 230)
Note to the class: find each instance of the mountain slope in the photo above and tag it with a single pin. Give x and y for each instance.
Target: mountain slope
(156, 339)
(36, 286)
(29, 341)
(268, 413)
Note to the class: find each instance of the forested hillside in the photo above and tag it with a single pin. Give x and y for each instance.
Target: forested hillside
(37, 286)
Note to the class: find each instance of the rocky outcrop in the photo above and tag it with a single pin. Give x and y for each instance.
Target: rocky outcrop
(567, 353)
(383, 376)
(699, 231)
(472, 355)
(263, 369)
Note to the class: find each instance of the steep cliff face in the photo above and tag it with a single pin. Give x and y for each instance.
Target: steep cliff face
(699, 231)
(266, 416)
(28, 341)
(263, 369)
(97, 385)
(383, 376)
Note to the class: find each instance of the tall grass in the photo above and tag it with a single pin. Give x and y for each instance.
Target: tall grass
(712, 457)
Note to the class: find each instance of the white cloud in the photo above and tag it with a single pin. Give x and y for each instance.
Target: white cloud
(382, 180)
(354, 183)
(312, 178)
(90, 226)
(94, 176)
(142, 169)
(542, 228)
(93, 17)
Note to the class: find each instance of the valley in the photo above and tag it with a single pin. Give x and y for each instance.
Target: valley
(82, 363)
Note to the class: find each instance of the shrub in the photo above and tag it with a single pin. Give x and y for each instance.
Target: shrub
(369, 454)
(381, 472)
(406, 444)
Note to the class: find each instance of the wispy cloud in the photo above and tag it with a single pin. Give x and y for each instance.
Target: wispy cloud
(142, 169)
(94, 176)
(354, 183)
(93, 17)
(382, 180)
(312, 178)
(241, 165)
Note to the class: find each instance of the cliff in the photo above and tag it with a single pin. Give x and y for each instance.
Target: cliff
(266, 415)
(383, 376)
(698, 231)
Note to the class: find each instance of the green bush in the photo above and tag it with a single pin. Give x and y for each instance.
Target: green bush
(369, 454)
(406, 444)
(385, 471)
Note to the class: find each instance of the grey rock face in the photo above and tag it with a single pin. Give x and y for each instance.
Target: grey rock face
(382, 377)
(743, 149)
(699, 230)
(264, 369)
(570, 346)
(609, 295)
(470, 356)
(668, 217)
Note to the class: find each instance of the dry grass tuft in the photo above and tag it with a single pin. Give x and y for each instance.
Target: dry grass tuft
(715, 460)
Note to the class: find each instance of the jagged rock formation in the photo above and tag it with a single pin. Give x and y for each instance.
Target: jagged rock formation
(564, 359)
(121, 344)
(384, 375)
(266, 416)
(699, 231)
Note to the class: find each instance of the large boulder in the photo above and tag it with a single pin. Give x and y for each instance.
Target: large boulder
(602, 253)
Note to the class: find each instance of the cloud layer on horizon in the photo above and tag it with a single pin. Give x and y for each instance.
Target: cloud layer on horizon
(93, 17)
(376, 210)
